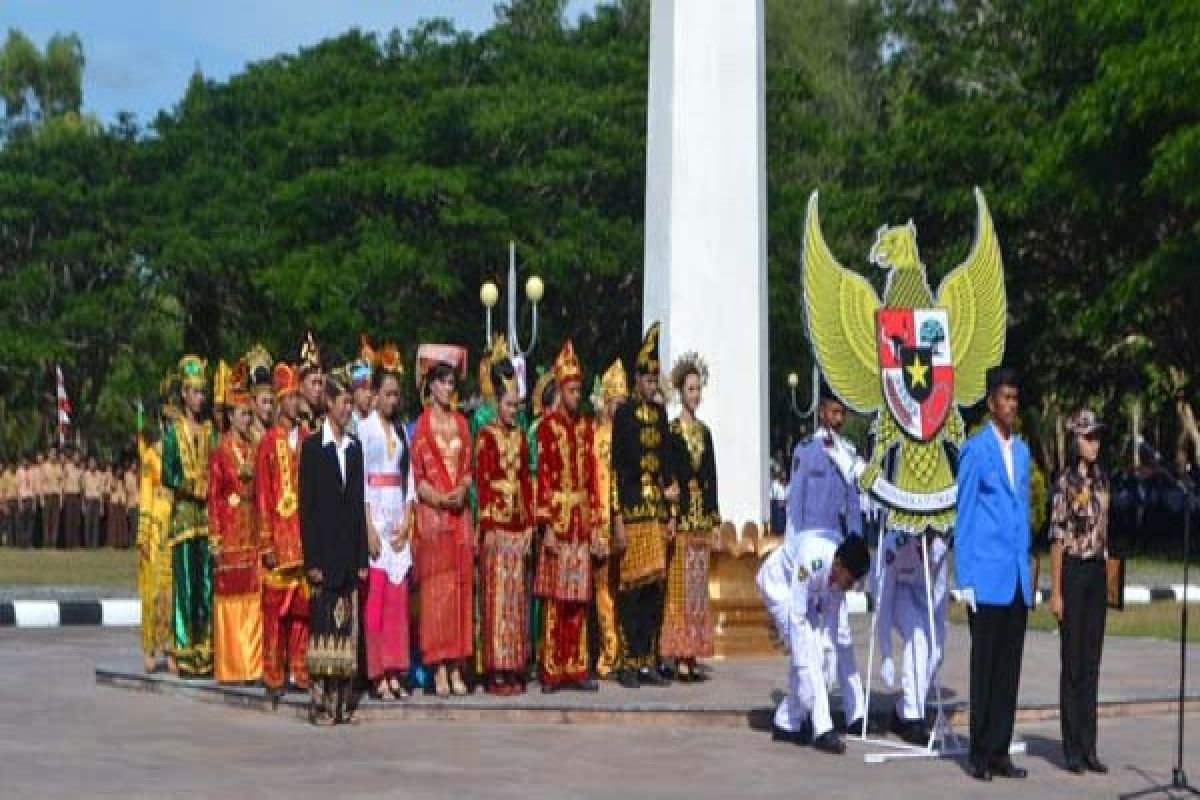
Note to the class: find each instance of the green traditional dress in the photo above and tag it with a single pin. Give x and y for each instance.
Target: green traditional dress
(185, 470)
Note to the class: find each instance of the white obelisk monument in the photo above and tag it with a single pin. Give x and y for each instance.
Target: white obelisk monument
(706, 217)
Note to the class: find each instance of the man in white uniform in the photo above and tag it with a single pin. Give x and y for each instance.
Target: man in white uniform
(803, 584)
(904, 608)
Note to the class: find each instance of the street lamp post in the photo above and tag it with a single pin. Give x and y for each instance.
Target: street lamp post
(489, 294)
(793, 380)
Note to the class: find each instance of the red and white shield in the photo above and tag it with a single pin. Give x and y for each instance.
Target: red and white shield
(916, 367)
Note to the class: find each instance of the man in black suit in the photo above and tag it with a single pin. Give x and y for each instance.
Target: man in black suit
(333, 528)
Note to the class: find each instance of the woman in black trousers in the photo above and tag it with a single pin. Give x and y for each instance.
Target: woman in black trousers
(1079, 549)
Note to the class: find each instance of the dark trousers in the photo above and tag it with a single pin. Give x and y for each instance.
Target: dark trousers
(997, 642)
(26, 513)
(1082, 637)
(640, 614)
(9, 533)
(92, 508)
(51, 517)
(72, 520)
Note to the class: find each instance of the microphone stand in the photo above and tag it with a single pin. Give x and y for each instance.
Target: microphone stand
(1179, 779)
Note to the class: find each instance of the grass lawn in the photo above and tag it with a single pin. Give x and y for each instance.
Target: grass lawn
(103, 567)
(1156, 620)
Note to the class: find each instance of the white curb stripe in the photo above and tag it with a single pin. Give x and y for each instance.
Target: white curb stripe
(35, 613)
(1137, 595)
(120, 613)
(1192, 594)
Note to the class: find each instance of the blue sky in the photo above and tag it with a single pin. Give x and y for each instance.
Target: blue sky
(140, 53)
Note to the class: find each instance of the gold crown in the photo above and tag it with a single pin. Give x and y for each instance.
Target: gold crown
(539, 389)
(193, 372)
(258, 370)
(614, 384)
(566, 367)
(499, 351)
(310, 356)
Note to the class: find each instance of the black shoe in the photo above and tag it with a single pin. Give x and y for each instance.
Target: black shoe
(666, 673)
(1094, 764)
(830, 742)
(628, 678)
(1007, 769)
(650, 677)
(1074, 766)
(778, 734)
(856, 728)
(588, 685)
(979, 771)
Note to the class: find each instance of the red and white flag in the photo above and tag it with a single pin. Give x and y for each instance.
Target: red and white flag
(64, 405)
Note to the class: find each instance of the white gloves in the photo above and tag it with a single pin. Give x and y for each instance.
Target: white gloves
(887, 672)
(967, 596)
(848, 463)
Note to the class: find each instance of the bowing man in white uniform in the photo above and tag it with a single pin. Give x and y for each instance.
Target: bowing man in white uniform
(803, 584)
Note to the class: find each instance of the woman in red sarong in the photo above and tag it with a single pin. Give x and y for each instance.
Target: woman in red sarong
(443, 543)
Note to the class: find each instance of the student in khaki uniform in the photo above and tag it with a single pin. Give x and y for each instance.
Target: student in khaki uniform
(72, 500)
(8, 504)
(26, 503)
(116, 525)
(93, 503)
(50, 491)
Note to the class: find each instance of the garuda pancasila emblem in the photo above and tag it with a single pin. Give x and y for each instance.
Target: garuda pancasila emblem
(909, 360)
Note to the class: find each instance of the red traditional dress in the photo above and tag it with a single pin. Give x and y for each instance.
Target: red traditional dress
(285, 592)
(443, 550)
(505, 493)
(233, 539)
(566, 508)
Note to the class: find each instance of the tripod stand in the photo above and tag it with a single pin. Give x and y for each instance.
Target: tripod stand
(1179, 779)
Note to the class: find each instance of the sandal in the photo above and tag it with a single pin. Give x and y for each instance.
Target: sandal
(457, 686)
(440, 687)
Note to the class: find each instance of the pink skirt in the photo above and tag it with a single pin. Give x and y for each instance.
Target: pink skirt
(385, 615)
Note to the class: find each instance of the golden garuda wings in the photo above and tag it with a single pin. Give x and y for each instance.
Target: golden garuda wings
(840, 308)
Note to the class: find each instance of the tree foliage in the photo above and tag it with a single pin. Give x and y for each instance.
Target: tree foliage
(372, 183)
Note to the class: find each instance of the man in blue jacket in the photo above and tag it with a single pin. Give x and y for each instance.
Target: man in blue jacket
(992, 561)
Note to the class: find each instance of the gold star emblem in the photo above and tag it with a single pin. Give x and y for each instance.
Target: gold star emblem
(916, 372)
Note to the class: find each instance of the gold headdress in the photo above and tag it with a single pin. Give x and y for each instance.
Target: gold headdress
(310, 356)
(566, 367)
(539, 390)
(614, 385)
(258, 370)
(647, 357)
(687, 363)
(236, 393)
(499, 351)
(193, 372)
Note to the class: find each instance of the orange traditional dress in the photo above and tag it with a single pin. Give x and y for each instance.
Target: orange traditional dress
(505, 493)
(233, 538)
(566, 507)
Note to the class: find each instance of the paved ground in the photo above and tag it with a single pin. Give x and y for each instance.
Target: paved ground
(1132, 669)
(62, 736)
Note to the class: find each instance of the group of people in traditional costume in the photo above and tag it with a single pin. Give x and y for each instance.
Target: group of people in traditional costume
(304, 535)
